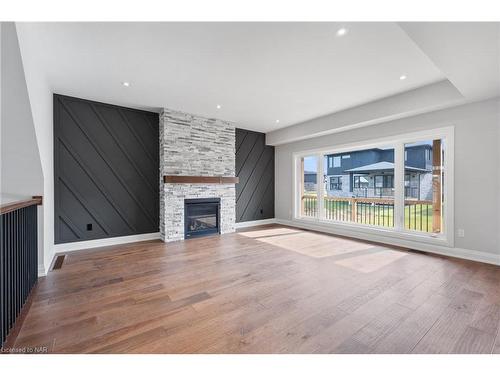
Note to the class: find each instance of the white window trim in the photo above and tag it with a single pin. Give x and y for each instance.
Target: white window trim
(398, 232)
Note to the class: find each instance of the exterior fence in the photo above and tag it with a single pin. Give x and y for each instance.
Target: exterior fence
(373, 192)
(371, 211)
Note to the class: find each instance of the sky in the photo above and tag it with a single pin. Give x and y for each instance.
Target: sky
(310, 164)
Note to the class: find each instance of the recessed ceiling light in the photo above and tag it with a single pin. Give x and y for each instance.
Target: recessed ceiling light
(402, 78)
(126, 84)
(219, 106)
(277, 121)
(342, 31)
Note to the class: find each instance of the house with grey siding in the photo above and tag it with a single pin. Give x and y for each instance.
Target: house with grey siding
(370, 173)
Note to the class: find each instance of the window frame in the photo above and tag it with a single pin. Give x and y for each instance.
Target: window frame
(388, 177)
(397, 141)
(338, 183)
(375, 182)
(359, 184)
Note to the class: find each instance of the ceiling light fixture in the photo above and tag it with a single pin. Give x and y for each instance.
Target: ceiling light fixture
(277, 121)
(126, 84)
(342, 31)
(402, 78)
(219, 106)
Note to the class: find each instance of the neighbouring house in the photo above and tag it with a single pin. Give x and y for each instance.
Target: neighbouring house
(310, 181)
(370, 173)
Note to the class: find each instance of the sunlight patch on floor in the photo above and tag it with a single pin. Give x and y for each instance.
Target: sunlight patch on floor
(315, 245)
(371, 262)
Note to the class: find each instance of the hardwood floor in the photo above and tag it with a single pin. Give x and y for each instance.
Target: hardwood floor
(270, 289)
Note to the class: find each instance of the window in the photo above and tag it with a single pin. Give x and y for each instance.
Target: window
(427, 154)
(424, 199)
(308, 186)
(369, 178)
(385, 181)
(335, 183)
(360, 182)
(334, 161)
(389, 181)
(380, 188)
(384, 185)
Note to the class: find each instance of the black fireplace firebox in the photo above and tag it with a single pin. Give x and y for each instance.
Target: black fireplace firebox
(201, 217)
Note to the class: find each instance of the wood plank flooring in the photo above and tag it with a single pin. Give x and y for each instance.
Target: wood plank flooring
(269, 289)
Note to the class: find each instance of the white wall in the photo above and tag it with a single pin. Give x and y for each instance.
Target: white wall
(477, 166)
(40, 96)
(21, 170)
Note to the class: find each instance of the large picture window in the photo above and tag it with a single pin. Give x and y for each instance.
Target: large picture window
(397, 184)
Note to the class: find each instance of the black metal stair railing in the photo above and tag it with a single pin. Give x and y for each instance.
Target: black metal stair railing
(18, 264)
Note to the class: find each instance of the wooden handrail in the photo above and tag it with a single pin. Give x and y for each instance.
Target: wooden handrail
(176, 179)
(12, 206)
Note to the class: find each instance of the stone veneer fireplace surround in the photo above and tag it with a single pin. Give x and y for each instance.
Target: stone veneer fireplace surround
(195, 146)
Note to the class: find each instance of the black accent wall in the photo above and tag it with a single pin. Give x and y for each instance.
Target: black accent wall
(106, 169)
(255, 168)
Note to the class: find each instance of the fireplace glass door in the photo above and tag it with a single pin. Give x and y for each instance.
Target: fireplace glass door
(201, 217)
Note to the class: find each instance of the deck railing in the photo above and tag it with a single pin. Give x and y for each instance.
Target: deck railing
(373, 192)
(18, 260)
(372, 211)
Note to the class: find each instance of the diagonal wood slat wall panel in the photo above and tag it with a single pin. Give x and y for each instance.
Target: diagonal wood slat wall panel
(255, 169)
(106, 169)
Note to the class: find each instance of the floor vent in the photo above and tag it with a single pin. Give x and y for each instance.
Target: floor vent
(59, 262)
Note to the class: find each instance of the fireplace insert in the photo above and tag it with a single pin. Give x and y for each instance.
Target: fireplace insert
(201, 217)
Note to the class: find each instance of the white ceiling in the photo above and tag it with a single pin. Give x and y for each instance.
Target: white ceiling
(261, 72)
(468, 53)
(257, 72)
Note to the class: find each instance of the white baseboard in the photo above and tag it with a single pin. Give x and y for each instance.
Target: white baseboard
(254, 223)
(41, 271)
(83, 245)
(479, 256)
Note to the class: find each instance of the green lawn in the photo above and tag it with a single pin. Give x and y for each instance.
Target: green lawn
(417, 217)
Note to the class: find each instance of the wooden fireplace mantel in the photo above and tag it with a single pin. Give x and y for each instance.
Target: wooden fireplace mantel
(175, 179)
